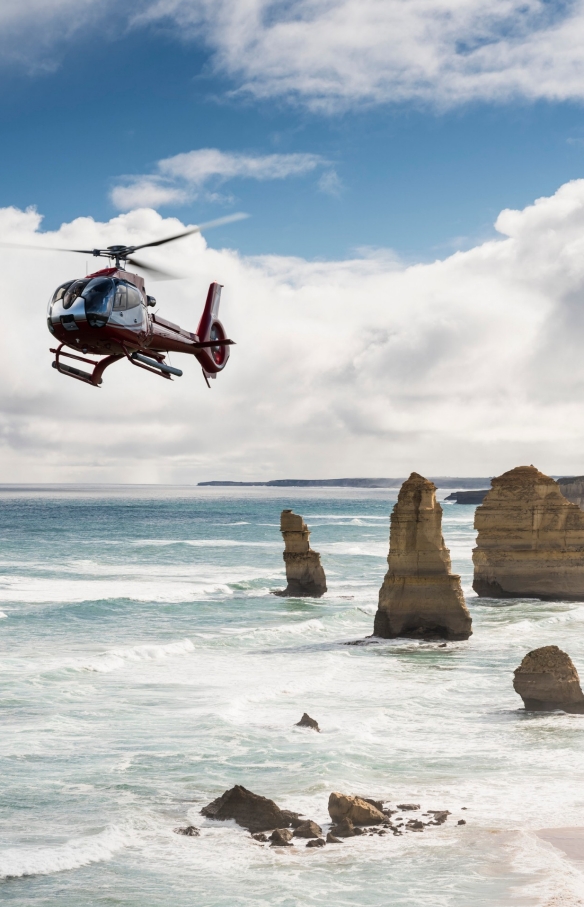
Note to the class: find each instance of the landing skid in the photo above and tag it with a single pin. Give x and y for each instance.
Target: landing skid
(153, 363)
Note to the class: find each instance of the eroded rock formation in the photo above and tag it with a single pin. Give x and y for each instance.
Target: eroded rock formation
(355, 809)
(303, 568)
(547, 679)
(248, 809)
(420, 597)
(530, 541)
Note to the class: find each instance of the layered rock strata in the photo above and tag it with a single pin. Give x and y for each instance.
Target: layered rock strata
(420, 597)
(304, 571)
(530, 541)
(547, 679)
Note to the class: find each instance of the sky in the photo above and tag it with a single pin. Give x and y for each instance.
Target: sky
(407, 290)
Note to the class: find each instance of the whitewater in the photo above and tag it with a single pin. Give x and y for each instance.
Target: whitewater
(145, 668)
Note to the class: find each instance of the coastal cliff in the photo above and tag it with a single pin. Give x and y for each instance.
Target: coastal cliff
(530, 541)
(420, 597)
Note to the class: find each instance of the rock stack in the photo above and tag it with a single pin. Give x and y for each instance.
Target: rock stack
(530, 541)
(420, 597)
(547, 679)
(303, 568)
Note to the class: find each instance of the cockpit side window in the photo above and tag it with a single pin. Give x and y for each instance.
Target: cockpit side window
(127, 297)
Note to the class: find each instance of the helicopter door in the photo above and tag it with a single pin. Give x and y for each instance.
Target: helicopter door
(128, 306)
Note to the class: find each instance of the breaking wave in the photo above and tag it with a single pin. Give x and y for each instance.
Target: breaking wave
(16, 862)
(117, 658)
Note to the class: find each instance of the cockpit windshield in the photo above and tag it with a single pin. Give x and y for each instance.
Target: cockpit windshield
(99, 297)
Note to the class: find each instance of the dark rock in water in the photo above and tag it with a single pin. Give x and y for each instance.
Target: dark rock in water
(461, 822)
(389, 812)
(260, 837)
(547, 679)
(281, 837)
(415, 825)
(378, 804)
(248, 809)
(443, 645)
(367, 641)
(190, 831)
(330, 839)
(291, 819)
(308, 830)
(359, 831)
(468, 497)
(406, 807)
(344, 829)
(316, 842)
(440, 815)
(307, 721)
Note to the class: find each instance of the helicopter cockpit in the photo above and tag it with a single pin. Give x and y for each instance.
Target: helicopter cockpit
(97, 300)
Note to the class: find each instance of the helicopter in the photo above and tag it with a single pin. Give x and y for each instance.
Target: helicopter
(106, 314)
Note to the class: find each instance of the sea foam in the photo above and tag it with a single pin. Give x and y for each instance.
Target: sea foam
(27, 861)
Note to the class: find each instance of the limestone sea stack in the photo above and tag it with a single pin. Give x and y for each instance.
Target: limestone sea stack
(303, 568)
(530, 541)
(420, 597)
(547, 679)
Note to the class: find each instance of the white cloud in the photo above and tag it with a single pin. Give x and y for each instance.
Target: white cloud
(469, 365)
(337, 53)
(31, 31)
(181, 178)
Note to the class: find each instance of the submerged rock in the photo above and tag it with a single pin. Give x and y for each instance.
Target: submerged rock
(530, 541)
(190, 831)
(407, 807)
(420, 597)
(304, 571)
(281, 837)
(307, 721)
(547, 679)
(330, 839)
(308, 830)
(344, 829)
(358, 811)
(248, 809)
(316, 842)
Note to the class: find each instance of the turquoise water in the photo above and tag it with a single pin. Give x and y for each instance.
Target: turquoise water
(145, 668)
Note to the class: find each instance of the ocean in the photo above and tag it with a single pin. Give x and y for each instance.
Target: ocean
(145, 668)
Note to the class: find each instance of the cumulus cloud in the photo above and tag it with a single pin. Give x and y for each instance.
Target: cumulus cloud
(181, 178)
(469, 365)
(332, 54)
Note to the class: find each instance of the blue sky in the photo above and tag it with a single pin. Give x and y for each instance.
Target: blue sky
(407, 291)
(109, 101)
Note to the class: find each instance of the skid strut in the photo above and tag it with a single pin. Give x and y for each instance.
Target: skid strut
(94, 377)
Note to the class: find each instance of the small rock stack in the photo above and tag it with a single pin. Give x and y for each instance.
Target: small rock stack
(303, 568)
(547, 679)
(420, 597)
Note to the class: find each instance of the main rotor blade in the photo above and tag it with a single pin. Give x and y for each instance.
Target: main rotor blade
(207, 226)
(155, 273)
(16, 245)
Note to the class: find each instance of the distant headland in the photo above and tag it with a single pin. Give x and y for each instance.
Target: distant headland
(439, 481)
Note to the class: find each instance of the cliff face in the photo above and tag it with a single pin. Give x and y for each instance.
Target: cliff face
(573, 490)
(547, 679)
(530, 541)
(420, 597)
(304, 571)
